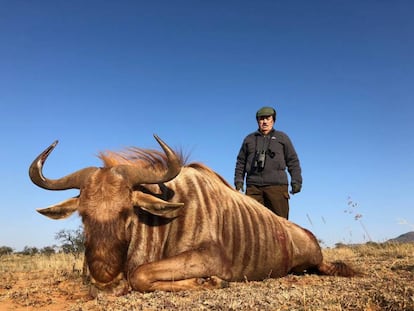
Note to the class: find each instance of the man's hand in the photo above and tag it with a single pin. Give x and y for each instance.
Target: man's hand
(239, 186)
(295, 188)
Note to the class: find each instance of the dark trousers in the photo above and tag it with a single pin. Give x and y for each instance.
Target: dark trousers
(275, 198)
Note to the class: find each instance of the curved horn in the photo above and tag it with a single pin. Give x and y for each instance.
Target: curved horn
(72, 181)
(136, 176)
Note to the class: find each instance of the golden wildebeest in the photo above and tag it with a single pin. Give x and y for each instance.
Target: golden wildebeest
(153, 223)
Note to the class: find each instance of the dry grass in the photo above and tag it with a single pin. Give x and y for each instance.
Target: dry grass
(55, 283)
(55, 262)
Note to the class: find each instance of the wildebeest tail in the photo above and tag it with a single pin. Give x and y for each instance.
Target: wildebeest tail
(336, 268)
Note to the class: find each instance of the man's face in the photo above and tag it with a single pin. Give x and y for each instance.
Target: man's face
(265, 124)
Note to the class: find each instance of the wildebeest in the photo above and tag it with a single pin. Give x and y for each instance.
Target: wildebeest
(153, 223)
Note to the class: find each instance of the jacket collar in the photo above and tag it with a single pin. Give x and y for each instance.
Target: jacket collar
(271, 133)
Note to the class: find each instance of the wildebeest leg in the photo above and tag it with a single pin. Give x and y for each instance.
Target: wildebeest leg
(188, 284)
(198, 269)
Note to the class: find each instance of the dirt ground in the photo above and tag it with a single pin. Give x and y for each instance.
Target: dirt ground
(387, 284)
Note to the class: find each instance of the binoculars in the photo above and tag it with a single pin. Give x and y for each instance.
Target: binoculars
(260, 158)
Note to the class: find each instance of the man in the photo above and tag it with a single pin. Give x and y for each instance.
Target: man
(263, 159)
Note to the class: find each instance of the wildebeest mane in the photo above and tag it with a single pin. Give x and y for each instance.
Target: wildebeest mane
(153, 159)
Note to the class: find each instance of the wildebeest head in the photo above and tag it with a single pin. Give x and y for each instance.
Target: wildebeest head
(106, 204)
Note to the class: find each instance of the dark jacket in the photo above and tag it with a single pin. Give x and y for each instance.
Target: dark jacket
(280, 154)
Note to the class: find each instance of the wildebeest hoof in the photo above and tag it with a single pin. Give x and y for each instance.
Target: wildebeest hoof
(219, 283)
(212, 282)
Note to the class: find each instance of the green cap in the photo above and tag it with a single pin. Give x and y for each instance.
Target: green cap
(265, 111)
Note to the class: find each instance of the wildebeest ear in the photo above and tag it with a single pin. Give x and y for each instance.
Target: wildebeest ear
(60, 210)
(155, 205)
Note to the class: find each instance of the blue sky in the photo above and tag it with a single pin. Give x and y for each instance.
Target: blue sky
(104, 75)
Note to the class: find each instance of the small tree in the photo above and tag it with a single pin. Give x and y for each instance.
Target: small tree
(5, 250)
(72, 241)
(48, 250)
(30, 251)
